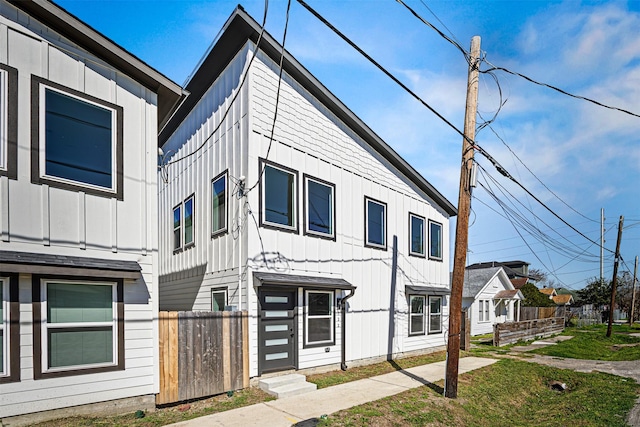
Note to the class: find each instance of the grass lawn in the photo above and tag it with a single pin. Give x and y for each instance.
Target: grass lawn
(510, 392)
(592, 343)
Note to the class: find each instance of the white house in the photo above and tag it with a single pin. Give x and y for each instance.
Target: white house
(289, 226)
(78, 216)
(489, 298)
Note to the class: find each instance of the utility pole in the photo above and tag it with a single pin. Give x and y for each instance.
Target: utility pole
(615, 277)
(601, 245)
(462, 224)
(633, 291)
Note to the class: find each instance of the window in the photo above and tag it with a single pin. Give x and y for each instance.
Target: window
(319, 320)
(375, 223)
(279, 201)
(78, 326)
(435, 315)
(483, 311)
(77, 140)
(9, 330)
(416, 314)
(319, 205)
(218, 299)
(183, 222)
(416, 234)
(219, 204)
(435, 240)
(8, 121)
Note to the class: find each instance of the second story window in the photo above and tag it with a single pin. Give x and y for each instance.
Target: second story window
(375, 223)
(219, 204)
(278, 193)
(435, 240)
(183, 224)
(188, 221)
(319, 208)
(8, 121)
(416, 235)
(177, 227)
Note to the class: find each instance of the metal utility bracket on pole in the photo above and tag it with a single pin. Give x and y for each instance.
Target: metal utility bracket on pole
(462, 224)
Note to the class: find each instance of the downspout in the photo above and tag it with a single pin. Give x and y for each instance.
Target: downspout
(343, 309)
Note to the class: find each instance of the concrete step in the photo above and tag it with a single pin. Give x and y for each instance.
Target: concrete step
(286, 385)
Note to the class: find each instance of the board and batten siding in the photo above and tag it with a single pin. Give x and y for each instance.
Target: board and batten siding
(48, 220)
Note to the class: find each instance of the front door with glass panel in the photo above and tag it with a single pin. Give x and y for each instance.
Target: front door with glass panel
(277, 330)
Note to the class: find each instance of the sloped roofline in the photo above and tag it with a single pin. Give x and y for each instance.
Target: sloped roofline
(240, 28)
(69, 26)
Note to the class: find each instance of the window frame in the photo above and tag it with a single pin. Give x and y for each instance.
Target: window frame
(224, 229)
(331, 317)
(40, 341)
(177, 247)
(8, 122)
(39, 86)
(484, 312)
(307, 231)
(439, 314)
(226, 298)
(412, 315)
(185, 244)
(11, 328)
(367, 243)
(264, 164)
(411, 251)
(440, 243)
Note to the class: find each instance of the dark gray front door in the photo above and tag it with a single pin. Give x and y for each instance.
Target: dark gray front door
(276, 330)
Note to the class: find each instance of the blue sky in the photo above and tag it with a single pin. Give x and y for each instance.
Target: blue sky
(588, 156)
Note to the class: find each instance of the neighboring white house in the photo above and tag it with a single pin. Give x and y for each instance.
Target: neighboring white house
(289, 226)
(489, 298)
(78, 216)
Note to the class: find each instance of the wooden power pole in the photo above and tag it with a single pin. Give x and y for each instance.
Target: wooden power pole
(633, 291)
(462, 224)
(615, 277)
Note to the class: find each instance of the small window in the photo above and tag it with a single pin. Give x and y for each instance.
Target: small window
(483, 311)
(435, 315)
(218, 299)
(188, 221)
(279, 201)
(319, 319)
(416, 234)
(80, 327)
(77, 140)
(8, 121)
(416, 314)
(319, 206)
(375, 223)
(219, 204)
(177, 227)
(435, 240)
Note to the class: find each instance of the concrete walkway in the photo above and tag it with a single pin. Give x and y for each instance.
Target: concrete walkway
(291, 410)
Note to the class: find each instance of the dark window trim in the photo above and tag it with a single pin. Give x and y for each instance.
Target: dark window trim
(424, 315)
(263, 163)
(173, 228)
(306, 317)
(36, 178)
(191, 244)
(441, 241)
(307, 232)
(36, 283)
(11, 115)
(366, 224)
(225, 229)
(13, 330)
(428, 321)
(424, 233)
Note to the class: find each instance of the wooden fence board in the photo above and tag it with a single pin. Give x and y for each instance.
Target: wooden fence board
(508, 333)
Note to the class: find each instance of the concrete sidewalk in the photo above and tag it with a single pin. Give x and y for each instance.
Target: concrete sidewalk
(287, 411)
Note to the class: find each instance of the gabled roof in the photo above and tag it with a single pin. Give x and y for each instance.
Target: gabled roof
(548, 291)
(563, 299)
(239, 29)
(64, 23)
(476, 279)
(507, 294)
(519, 282)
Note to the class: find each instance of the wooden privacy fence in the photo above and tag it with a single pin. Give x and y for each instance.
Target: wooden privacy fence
(533, 313)
(202, 354)
(508, 333)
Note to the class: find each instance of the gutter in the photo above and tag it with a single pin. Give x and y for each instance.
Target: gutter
(343, 363)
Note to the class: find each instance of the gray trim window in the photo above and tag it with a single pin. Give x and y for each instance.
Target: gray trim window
(8, 121)
(218, 299)
(416, 235)
(375, 223)
(319, 204)
(177, 227)
(278, 197)
(9, 329)
(189, 212)
(483, 311)
(78, 326)
(219, 204)
(435, 240)
(319, 318)
(76, 140)
(183, 224)
(416, 314)
(435, 314)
